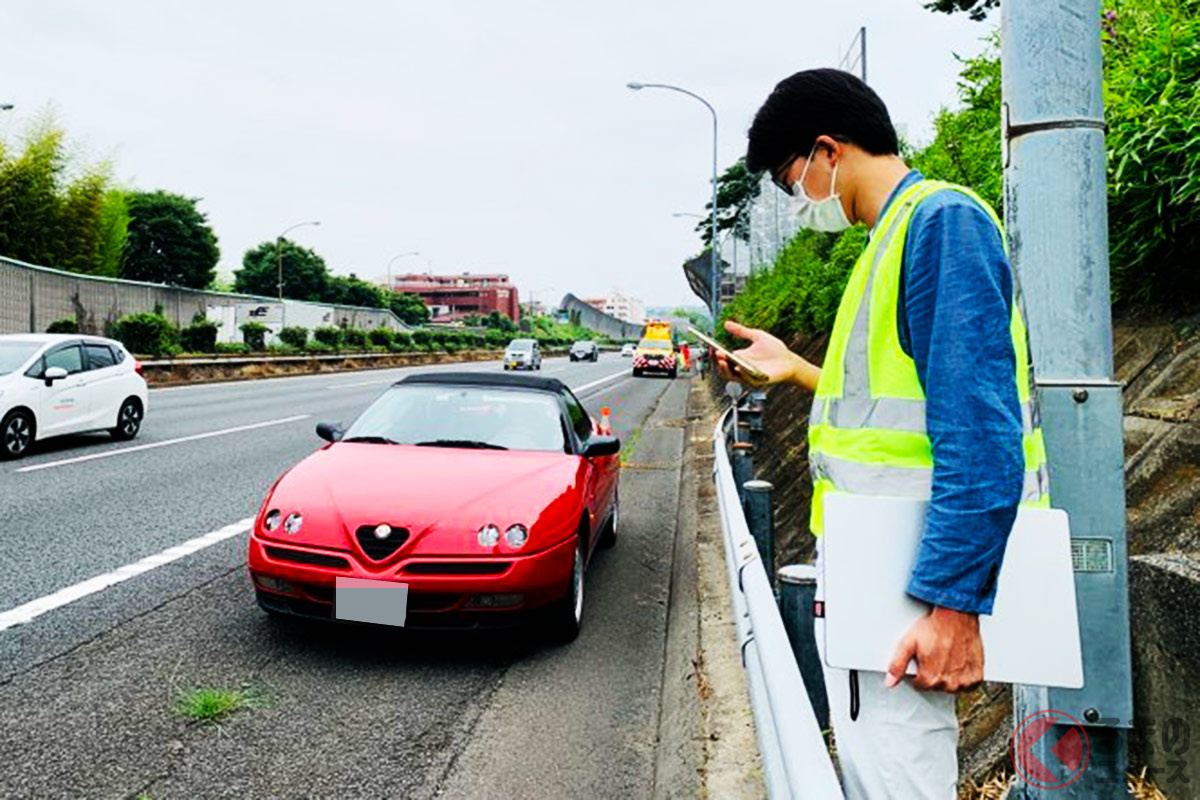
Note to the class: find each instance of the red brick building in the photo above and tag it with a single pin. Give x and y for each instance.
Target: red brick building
(452, 297)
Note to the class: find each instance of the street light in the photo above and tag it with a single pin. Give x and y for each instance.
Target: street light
(389, 270)
(279, 256)
(715, 282)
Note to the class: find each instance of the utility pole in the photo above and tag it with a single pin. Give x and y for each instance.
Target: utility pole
(850, 60)
(1056, 216)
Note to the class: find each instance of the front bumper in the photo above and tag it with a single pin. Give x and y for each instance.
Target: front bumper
(434, 600)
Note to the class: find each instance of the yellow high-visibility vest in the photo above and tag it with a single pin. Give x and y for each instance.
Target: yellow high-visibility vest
(866, 431)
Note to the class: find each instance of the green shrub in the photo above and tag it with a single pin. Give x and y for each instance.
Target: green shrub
(319, 347)
(354, 338)
(422, 338)
(402, 342)
(238, 348)
(496, 339)
(329, 336)
(380, 337)
(199, 337)
(145, 333)
(294, 336)
(254, 334)
(64, 325)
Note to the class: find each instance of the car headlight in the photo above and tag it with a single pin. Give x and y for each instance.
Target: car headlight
(293, 522)
(516, 535)
(489, 535)
(271, 523)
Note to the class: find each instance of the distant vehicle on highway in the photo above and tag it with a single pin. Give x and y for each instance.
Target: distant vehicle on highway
(585, 350)
(628, 349)
(485, 494)
(55, 384)
(523, 354)
(655, 355)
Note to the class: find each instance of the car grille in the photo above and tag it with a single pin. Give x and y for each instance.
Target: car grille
(379, 549)
(457, 567)
(305, 557)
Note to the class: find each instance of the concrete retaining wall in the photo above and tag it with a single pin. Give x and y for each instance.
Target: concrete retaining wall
(31, 297)
(1164, 599)
(595, 320)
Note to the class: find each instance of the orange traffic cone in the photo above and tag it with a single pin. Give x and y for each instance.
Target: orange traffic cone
(606, 420)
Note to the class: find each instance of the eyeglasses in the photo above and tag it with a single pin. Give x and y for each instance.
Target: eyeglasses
(779, 177)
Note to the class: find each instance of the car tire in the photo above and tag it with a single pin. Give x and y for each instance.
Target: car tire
(673, 373)
(609, 537)
(17, 433)
(129, 420)
(637, 373)
(566, 615)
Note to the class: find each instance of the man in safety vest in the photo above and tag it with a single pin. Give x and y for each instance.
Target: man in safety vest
(925, 391)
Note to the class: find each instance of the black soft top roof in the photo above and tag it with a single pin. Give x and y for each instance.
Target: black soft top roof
(504, 379)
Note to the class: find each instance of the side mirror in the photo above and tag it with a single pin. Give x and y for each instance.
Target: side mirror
(54, 374)
(330, 431)
(598, 445)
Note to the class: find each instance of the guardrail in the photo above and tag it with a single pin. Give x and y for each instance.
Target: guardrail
(796, 761)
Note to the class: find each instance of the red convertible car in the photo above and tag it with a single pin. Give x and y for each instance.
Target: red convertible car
(455, 500)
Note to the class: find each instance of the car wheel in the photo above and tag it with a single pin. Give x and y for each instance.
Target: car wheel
(567, 615)
(16, 434)
(637, 373)
(673, 373)
(129, 420)
(609, 537)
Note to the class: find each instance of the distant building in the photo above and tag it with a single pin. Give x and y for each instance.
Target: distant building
(624, 308)
(452, 297)
(731, 286)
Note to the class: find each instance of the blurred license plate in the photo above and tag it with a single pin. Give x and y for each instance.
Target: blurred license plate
(379, 602)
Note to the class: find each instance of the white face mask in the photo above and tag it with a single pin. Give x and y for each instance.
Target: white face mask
(820, 215)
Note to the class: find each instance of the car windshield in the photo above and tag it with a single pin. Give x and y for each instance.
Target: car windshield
(521, 345)
(655, 344)
(470, 417)
(15, 353)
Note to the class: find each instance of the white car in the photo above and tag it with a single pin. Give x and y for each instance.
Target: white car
(628, 349)
(55, 384)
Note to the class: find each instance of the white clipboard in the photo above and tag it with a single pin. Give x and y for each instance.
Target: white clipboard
(870, 546)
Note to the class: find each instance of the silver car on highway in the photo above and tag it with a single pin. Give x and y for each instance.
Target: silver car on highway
(523, 354)
(55, 384)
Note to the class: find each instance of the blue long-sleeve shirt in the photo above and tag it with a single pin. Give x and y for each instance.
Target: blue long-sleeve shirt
(953, 313)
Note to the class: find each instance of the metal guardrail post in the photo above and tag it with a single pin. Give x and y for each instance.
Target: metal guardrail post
(756, 500)
(742, 457)
(797, 592)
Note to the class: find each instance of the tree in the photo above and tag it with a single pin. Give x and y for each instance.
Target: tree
(499, 322)
(737, 189)
(410, 308)
(44, 219)
(978, 9)
(353, 291)
(169, 241)
(305, 276)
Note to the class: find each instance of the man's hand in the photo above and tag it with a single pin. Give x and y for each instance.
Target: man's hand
(771, 356)
(947, 648)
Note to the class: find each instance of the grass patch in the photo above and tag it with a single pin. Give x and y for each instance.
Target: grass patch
(215, 705)
(631, 443)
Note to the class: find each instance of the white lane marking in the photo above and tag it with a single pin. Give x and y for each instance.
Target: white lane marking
(35, 608)
(164, 443)
(359, 383)
(578, 389)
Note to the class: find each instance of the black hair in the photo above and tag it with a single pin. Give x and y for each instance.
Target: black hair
(818, 102)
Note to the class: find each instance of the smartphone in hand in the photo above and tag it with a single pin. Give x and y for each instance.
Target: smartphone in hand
(752, 373)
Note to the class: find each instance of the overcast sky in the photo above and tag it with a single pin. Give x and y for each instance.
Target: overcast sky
(491, 135)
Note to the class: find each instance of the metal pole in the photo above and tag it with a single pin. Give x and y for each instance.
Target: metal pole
(756, 497)
(279, 253)
(715, 304)
(1057, 220)
(862, 38)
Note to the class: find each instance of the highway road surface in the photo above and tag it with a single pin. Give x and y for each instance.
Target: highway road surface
(124, 585)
